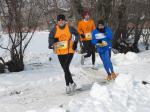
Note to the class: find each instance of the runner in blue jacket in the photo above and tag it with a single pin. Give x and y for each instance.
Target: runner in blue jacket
(101, 38)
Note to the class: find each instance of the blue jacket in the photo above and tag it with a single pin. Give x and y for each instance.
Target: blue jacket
(107, 37)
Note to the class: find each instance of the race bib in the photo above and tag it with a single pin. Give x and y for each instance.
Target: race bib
(61, 45)
(88, 36)
(100, 36)
(103, 44)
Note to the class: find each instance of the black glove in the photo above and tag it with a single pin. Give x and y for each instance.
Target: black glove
(50, 47)
(100, 41)
(82, 35)
(74, 47)
(56, 40)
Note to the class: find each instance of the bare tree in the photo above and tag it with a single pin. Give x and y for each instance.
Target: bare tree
(130, 12)
(2, 65)
(76, 9)
(20, 19)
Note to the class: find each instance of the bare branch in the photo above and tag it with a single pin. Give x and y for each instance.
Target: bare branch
(4, 48)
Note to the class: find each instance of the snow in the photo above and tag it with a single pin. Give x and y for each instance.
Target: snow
(41, 86)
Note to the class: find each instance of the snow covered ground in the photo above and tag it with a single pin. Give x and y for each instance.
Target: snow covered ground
(41, 87)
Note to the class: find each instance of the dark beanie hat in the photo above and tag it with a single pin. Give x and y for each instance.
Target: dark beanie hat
(101, 22)
(61, 17)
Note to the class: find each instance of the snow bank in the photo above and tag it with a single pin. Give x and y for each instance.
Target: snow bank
(121, 96)
(125, 59)
(57, 110)
(99, 92)
(31, 111)
(41, 87)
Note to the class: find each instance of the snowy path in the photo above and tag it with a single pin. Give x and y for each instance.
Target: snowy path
(38, 88)
(41, 87)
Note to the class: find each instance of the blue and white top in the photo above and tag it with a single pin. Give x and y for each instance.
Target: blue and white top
(106, 38)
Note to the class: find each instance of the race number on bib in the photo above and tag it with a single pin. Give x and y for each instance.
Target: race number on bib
(100, 36)
(61, 45)
(88, 35)
(103, 44)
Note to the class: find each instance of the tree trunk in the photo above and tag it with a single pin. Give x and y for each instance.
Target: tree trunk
(16, 64)
(2, 65)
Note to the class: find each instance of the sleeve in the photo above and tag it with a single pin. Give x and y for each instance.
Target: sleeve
(109, 33)
(80, 28)
(51, 37)
(75, 33)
